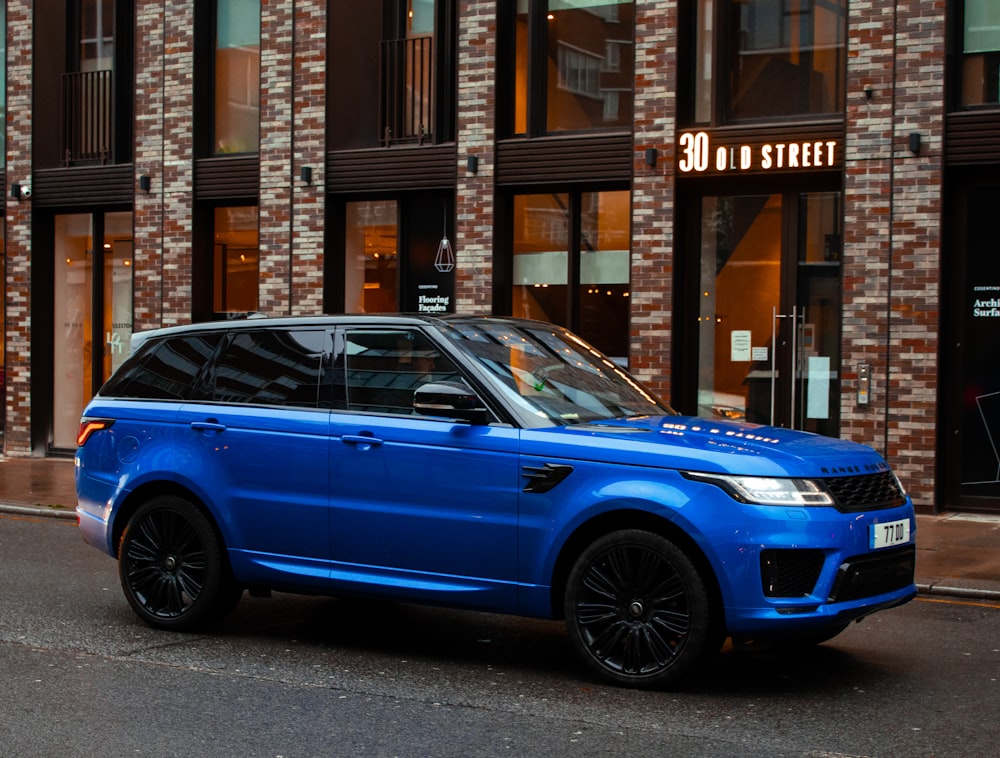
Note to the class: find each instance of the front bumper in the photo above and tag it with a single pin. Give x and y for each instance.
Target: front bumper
(796, 570)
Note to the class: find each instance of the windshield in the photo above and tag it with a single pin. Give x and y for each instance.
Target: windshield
(555, 376)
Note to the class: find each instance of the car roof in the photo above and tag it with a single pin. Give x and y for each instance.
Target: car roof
(257, 320)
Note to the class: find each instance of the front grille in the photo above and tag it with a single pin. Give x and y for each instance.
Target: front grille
(790, 573)
(868, 492)
(869, 575)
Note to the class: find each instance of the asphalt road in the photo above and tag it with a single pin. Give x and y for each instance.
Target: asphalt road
(292, 676)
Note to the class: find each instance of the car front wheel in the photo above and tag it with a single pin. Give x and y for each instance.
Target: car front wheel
(638, 610)
(172, 566)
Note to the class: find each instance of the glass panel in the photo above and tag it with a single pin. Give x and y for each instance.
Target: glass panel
(117, 290)
(384, 368)
(819, 299)
(704, 57)
(541, 257)
(786, 57)
(604, 271)
(740, 288)
(97, 35)
(237, 76)
(981, 48)
(590, 64)
(271, 367)
(164, 370)
(236, 265)
(371, 257)
(978, 317)
(72, 321)
(521, 68)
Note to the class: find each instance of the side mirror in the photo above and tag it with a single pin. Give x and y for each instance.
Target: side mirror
(450, 400)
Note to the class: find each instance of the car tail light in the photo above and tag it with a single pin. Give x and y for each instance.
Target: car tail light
(90, 425)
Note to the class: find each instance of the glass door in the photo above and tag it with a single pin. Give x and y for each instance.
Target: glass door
(92, 312)
(768, 318)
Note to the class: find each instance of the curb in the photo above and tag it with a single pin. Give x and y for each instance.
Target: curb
(37, 510)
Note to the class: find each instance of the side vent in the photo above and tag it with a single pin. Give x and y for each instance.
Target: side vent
(544, 478)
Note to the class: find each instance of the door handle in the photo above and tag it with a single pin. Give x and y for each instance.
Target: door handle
(361, 441)
(208, 426)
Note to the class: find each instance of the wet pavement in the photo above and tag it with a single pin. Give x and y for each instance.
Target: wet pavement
(958, 554)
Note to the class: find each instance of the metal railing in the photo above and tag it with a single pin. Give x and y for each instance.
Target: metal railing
(87, 123)
(407, 86)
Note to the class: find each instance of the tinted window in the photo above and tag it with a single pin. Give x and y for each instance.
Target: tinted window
(384, 367)
(165, 369)
(272, 367)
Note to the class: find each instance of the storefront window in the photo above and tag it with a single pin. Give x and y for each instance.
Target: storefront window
(371, 257)
(579, 280)
(237, 76)
(236, 261)
(88, 346)
(585, 79)
(768, 324)
(781, 58)
(976, 445)
(981, 52)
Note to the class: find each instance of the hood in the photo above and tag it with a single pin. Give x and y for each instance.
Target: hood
(697, 444)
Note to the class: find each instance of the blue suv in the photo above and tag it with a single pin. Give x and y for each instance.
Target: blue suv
(482, 463)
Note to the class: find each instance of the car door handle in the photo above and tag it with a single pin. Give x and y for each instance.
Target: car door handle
(208, 426)
(361, 441)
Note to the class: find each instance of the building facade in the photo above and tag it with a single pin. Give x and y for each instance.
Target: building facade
(771, 210)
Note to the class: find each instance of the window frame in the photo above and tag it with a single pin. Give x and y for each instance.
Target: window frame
(537, 95)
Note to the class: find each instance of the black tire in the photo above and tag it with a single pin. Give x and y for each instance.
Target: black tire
(639, 612)
(173, 567)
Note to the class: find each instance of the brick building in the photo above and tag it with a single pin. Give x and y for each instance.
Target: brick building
(772, 210)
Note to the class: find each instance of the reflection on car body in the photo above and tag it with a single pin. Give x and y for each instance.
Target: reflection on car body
(482, 463)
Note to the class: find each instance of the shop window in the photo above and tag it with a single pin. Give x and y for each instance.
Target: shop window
(391, 72)
(980, 46)
(570, 65)
(237, 76)
(571, 264)
(398, 255)
(371, 257)
(235, 260)
(92, 312)
(762, 59)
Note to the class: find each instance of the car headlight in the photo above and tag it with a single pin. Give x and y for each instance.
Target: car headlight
(767, 490)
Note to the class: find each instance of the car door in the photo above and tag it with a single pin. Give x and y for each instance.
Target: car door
(421, 507)
(259, 432)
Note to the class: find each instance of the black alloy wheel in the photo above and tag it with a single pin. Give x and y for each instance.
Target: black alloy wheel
(173, 568)
(638, 611)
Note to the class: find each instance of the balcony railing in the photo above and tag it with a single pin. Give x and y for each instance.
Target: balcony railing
(407, 86)
(87, 124)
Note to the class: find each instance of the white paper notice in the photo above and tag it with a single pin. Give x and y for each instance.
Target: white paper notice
(818, 387)
(739, 345)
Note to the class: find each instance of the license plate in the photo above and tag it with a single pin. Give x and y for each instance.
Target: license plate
(890, 534)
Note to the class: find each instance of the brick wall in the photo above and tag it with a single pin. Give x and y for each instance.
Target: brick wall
(17, 321)
(892, 224)
(476, 109)
(651, 287)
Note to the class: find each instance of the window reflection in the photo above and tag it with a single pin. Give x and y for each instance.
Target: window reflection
(237, 76)
(236, 262)
(785, 57)
(588, 67)
(981, 52)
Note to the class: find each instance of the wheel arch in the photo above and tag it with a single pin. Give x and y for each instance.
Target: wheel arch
(618, 520)
(147, 491)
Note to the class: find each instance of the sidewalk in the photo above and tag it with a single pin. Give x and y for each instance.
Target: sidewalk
(957, 554)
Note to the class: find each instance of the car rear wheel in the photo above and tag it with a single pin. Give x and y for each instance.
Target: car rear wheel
(173, 568)
(638, 611)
